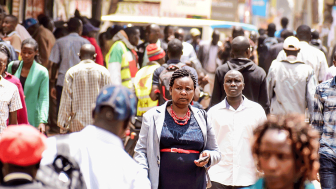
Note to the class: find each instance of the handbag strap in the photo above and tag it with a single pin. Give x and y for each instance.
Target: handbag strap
(15, 66)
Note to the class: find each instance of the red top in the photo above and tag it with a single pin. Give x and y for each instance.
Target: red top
(99, 57)
(22, 117)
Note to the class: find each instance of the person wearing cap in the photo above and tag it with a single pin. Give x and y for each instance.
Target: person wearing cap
(64, 55)
(82, 84)
(8, 28)
(291, 83)
(19, 166)
(122, 59)
(43, 37)
(89, 33)
(143, 78)
(195, 39)
(101, 155)
(309, 54)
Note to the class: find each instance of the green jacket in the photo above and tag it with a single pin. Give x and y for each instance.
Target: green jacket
(36, 91)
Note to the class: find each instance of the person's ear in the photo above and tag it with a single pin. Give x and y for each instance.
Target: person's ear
(171, 90)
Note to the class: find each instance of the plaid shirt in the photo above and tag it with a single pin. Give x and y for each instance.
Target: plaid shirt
(9, 101)
(324, 116)
(82, 85)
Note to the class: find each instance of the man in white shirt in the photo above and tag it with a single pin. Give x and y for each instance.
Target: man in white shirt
(234, 120)
(309, 54)
(98, 148)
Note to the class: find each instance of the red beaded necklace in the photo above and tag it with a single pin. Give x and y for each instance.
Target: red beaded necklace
(185, 119)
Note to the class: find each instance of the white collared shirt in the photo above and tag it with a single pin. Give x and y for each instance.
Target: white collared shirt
(102, 159)
(9, 101)
(234, 131)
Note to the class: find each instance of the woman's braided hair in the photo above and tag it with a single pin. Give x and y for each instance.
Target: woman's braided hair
(304, 141)
(182, 73)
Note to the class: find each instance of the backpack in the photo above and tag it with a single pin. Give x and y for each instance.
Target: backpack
(64, 172)
(164, 80)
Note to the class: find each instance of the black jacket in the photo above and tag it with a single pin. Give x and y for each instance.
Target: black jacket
(255, 82)
(270, 56)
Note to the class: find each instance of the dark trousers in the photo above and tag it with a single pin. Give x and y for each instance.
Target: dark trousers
(59, 90)
(327, 172)
(53, 109)
(216, 185)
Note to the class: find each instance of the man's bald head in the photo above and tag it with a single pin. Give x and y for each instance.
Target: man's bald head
(234, 72)
(240, 47)
(215, 37)
(303, 33)
(87, 51)
(179, 34)
(237, 31)
(152, 33)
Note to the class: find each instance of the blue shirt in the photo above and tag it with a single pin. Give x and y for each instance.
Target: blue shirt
(324, 116)
(65, 52)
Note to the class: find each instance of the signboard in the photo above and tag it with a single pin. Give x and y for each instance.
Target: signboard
(34, 8)
(224, 10)
(138, 9)
(259, 7)
(186, 7)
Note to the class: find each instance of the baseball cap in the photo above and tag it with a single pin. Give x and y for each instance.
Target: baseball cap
(22, 145)
(88, 27)
(291, 43)
(155, 52)
(195, 32)
(29, 22)
(120, 99)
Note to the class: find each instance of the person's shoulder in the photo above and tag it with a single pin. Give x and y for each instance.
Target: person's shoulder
(41, 68)
(223, 68)
(253, 105)
(325, 84)
(260, 70)
(9, 85)
(215, 108)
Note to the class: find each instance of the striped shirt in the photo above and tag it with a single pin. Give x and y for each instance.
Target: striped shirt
(65, 52)
(324, 116)
(82, 85)
(10, 101)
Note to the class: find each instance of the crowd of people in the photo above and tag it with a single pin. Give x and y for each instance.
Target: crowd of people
(256, 110)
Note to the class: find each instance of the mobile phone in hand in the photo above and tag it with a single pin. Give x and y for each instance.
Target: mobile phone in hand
(203, 159)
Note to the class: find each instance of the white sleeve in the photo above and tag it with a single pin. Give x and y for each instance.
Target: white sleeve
(141, 181)
(114, 69)
(50, 153)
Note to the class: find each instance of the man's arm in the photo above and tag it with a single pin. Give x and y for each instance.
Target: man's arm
(262, 99)
(155, 84)
(310, 92)
(66, 101)
(12, 118)
(317, 117)
(153, 95)
(54, 69)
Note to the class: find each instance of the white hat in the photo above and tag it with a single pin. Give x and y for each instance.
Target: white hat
(195, 32)
(291, 43)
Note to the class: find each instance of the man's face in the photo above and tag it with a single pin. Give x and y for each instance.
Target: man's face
(8, 25)
(233, 84)
(215, 39)
(134, 39)
(153, 36)
(276, 159)
(3, 63)
(169, 34)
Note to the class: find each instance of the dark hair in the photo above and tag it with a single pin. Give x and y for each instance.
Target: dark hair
(237, 31)
(74, 25)
(111, 31)
(303, 33)
(60, 32)
(284, 22)
(175, 47)
(182, 73)
(131, 31)
(315, 34)
(15, 19)
(304, 141)
(32, 41)
(286, 33)
(166, 29)
(44, 21)
(271, 28)
(5, 50)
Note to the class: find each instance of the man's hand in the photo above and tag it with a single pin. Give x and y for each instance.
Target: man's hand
(53, 93)
(41, 128)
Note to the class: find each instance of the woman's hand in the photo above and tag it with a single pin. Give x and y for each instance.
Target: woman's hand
(41, 128)
(202, 164)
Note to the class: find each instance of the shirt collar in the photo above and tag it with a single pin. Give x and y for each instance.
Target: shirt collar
(242, 106)
(74, 34)
(15, 176)
(103, 135)
(12, 33)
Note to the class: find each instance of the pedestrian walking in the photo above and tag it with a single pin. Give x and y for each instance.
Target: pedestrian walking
(8, 27)
(233, 121)
(82, 84)
(152, 35)
(176, 142)
(291, 83)
(255, 77)
(89, 33)
(285, 150)
(98, 148)
(34, 79)
(19, 166)
(195, 39)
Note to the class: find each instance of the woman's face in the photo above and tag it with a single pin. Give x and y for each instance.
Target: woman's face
(182, 91)
(28, 53)
(276, 159)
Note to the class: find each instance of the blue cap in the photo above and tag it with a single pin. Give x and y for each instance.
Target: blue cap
(29, 22)
(88, 27)
(120, 99)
